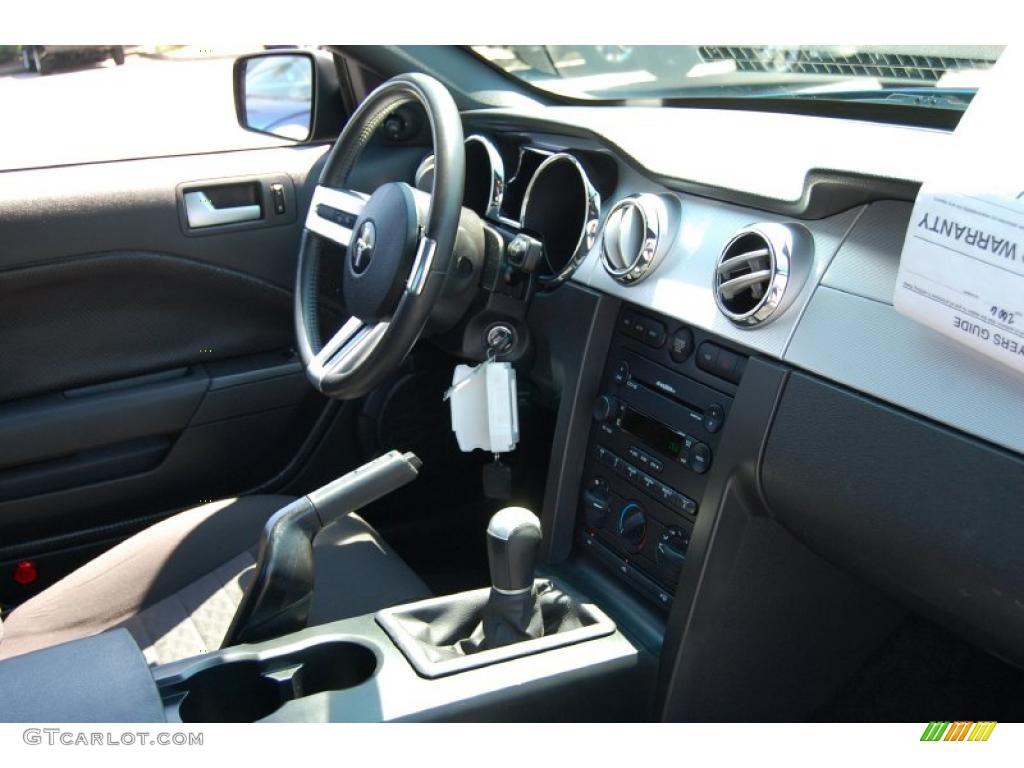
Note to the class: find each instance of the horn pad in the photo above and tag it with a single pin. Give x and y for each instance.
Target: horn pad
(380, 253)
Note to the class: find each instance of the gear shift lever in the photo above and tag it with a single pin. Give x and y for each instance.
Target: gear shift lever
(441, 635)
(512, 613)
(513, 538)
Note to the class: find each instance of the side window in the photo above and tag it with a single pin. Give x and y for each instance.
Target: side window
(78, 104)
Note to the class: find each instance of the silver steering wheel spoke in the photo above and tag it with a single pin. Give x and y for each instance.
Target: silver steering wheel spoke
(388, 254)
(354, 342)
(333, 213)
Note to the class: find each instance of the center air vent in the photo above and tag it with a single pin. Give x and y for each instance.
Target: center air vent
(756, 275)
(636, 236)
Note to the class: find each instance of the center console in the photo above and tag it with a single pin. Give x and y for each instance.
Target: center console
(502, 653)
(666, 393)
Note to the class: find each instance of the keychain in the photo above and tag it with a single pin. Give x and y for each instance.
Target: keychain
(466, 379)
(485, 416)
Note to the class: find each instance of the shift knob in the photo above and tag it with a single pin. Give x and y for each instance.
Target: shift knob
(513, 538)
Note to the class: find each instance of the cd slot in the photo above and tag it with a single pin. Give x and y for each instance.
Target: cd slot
(693, 412)
(677, 400)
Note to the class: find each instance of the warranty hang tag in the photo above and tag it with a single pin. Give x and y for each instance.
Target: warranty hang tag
(962, 266)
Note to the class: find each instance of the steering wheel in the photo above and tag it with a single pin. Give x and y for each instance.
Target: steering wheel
(399, 245)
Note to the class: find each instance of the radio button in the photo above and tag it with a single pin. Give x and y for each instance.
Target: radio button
(666, 494)
(681, 503)
(606, 457)
(681, 346)
(707, 357)
(700, 458)
(621, 374)
(713, 418)
(654, 334)
(633, 326)
(645, 460)
(720, 362)
(606, 409)
(728, 366)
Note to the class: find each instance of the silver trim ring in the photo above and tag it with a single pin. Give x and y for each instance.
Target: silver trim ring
(510, 592)
(643, 260)
(523, 151)
(496, 188)
(779, 240)
(591, 221)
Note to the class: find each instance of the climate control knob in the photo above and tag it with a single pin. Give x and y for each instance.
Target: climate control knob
(606, 409)
(633, 524)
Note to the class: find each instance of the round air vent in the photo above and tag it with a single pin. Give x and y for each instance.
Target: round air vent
(636, 237)
(759, 272)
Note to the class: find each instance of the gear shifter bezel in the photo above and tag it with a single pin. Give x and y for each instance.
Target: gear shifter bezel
(415, 629)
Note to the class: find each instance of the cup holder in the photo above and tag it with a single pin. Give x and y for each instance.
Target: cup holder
(333, 667)
(246, 690)
(235, 692)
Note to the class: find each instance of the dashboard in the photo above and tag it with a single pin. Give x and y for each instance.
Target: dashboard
(770, 269)
(824, 303)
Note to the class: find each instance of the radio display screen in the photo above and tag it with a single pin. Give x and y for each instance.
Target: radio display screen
(653, 433)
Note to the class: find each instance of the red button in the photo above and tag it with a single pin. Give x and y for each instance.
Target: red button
(25, 572)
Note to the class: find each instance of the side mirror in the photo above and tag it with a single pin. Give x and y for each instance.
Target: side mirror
(290, 94)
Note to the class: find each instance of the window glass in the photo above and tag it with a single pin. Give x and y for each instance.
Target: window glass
(927, 76)
(76, 104)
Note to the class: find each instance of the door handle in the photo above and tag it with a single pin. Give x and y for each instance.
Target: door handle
(200, 212)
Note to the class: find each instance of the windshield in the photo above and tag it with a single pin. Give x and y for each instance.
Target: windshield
(930, 76)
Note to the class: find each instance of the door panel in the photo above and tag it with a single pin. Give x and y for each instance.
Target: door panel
(53, 213)
(111, 315)
(144, 366)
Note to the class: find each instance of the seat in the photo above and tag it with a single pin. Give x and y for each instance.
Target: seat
(175, 586)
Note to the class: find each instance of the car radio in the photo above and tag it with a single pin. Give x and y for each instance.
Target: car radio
(654, 437)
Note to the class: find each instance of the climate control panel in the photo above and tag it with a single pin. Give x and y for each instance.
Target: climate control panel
(657, 424)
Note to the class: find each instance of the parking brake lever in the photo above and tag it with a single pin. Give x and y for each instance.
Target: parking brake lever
(277, 601)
